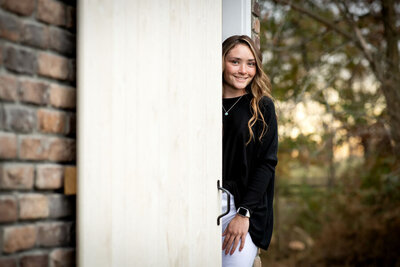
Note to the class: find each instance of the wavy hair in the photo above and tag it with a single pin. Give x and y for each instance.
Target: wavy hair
(260, 85)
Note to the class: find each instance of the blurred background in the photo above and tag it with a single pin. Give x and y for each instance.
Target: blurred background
(334, 68)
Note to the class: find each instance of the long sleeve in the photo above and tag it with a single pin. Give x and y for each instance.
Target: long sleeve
(266, 160)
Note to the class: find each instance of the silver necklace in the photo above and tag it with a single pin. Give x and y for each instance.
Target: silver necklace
(227, 111)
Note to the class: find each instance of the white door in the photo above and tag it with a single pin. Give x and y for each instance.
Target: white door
(149, 132)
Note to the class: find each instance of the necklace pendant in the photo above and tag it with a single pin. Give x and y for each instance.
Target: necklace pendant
(226, 113)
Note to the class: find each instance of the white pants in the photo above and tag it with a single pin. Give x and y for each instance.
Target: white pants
(244, 258)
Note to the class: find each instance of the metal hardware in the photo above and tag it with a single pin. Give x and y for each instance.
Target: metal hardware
(229, 202)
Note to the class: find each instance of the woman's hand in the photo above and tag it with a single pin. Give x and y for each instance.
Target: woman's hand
(235, 231)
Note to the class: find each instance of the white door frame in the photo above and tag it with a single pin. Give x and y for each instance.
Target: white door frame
(236, 18)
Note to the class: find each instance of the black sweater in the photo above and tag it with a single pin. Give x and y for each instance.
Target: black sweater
(249, 171)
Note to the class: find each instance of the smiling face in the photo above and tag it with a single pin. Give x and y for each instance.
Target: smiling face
(239, 70)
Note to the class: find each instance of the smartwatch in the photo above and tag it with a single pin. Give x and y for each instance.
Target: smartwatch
(243, 212)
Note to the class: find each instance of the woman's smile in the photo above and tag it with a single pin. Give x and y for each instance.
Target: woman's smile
(239, 70)
(240, 79)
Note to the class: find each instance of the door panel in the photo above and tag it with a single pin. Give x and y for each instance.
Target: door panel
(149, 132)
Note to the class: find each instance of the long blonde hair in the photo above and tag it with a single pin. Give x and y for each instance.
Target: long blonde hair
(260, 85)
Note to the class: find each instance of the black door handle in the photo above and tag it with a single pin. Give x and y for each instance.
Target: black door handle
(229, 202)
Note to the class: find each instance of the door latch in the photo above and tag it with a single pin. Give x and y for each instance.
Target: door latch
(229, 202)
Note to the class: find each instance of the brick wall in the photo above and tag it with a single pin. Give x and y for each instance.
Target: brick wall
(37, 132)
(255, 22)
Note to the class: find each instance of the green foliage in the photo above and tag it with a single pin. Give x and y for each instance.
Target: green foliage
(304, 57)
(354, 220)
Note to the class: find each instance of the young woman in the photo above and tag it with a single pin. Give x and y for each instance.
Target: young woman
(250, 144)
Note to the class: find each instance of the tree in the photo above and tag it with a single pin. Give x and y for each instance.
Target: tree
(363, 35)
(343, 55)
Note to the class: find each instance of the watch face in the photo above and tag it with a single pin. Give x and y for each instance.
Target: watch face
(244, 212)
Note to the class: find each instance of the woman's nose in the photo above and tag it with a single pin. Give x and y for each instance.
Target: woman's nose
(242, 68)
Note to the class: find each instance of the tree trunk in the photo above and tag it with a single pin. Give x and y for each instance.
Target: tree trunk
(391, 84)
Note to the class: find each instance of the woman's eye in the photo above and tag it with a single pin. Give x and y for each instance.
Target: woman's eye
(235, 62)
(252, 64)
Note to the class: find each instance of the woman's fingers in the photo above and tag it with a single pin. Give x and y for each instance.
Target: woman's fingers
(243, 239)
(225, 232)
(229, 244)
(237, 239)
(227, 240)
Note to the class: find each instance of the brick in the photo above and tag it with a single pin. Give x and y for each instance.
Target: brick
(256, 9)
(33, 206)
(8, 262)
(51, 121)
(62, 97)
(17, 238)
(52, 12)
(72, 71)
(71, 124)
(52, 234)
(256, 40)
(36, 259)
(1, 54)
(62, 257)
(8, 209)
(61, 206)
(256, 25)
(10, 27)
(2, 117)
(21, 7)
(16, 176)
(33, 148)
(70, 180)
(70, 17)
(49, 176)
(35, 35)
(8, 87)
(53, 66)
(8, 145)
(20, 60)
(62, 149)
(33, 92)
(50, 148)
(62, 41)
(19, 119)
